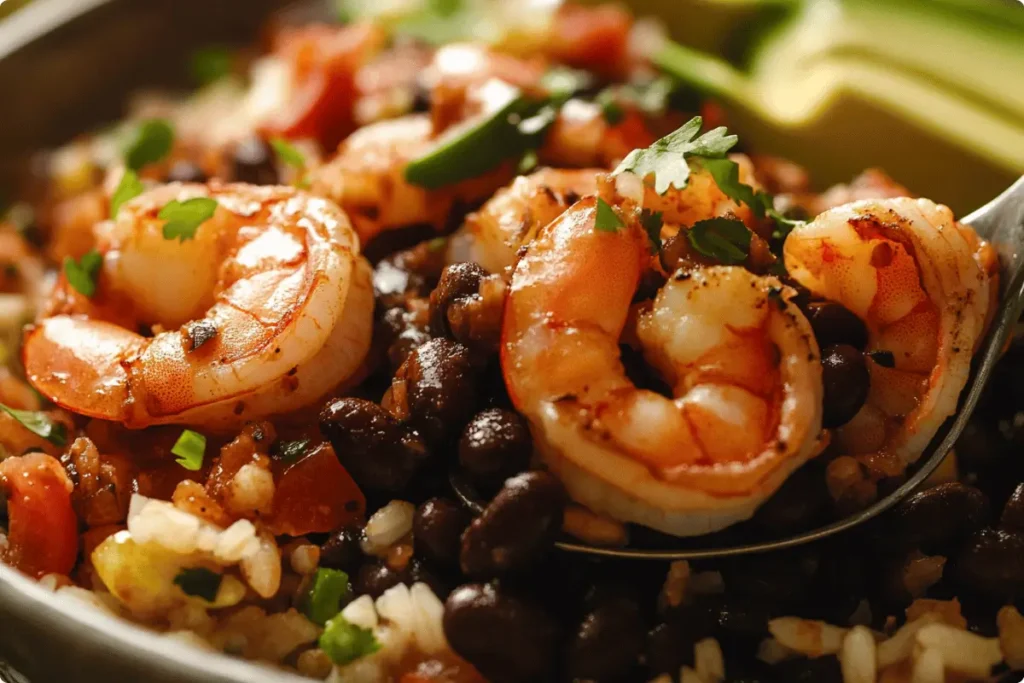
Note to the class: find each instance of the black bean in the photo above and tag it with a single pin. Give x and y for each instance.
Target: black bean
(437, 530)
(1013, 512)
(981, 445)
(184, 171)
(253, 162)
(798, 504)
(459, 281)
(440, 388)
(938, 518)
(408, 340)
(835, 324)
(669, 647)
(495, 445)
(517, 528)
(342, 550)
(380, 454)
(846, 380)
(508, 639)
(375, 577)
(817, 670)
(607, 642)
(783, 577)
(991, 564)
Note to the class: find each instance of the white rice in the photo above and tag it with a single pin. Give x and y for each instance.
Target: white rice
(387, 526)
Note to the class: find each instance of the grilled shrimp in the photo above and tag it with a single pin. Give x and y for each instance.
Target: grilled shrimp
(922, 283)
(367, 179)
(493, 235)
(746, 403)
(264, 311)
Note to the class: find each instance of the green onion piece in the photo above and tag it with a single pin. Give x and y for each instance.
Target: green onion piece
(184, 218)
(210, 64)
(528, 162)
(129, 188)
(471, 149)
(290, 451)
(562, 82)
(199, 581)
(151, 143)
(344, 642)
(39, 424)
(726, 240)
(288, 153)
(82, 274)
(323, 601)
(607, 220)
(190, 448)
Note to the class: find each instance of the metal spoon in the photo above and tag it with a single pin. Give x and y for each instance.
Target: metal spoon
(1001, 222)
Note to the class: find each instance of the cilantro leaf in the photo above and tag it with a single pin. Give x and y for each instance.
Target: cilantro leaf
(190, 448)
(199, 581)
(651, 222)
(129, 188)
(290, 451)
(184, 218)
(727, 240)
(666, 159)
(151, 143)
(726, 173)
(82, 274)
(39, 424)
(323, 600)
(344, 642)
(210, 64)
(607, 220)
(288, 153)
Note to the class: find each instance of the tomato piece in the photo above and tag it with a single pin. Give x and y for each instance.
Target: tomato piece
(316, 494)
(42, 531)
(324, 62)
(593, 38)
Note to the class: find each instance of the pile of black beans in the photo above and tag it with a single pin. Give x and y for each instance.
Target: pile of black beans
(520, 611)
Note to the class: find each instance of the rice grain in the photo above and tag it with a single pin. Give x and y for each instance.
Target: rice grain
(858, 658)
(807, 636)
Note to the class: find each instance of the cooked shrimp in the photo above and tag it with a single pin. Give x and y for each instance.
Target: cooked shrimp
(702, 199)
(367, 179)
(493, 235)
(741, 359)
(263, 312)
(921, 283)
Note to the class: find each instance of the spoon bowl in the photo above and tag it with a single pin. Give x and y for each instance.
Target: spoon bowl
(1001, 223)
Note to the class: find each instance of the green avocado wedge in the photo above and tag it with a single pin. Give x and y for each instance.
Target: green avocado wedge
(930, 90)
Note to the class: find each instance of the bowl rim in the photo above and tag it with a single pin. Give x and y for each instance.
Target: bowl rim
(67, 619)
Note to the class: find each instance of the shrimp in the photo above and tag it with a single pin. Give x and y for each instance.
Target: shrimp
(746, 404)
(367, 179)
(922, 283)
(492, 236)
(267, 309)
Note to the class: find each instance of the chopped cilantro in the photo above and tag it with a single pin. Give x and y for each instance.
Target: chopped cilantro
(607, 220)
(288, 153)
(39, 424)
(651, 222)
(344, 642)
(610, 108)
(199, 581)
(82, 274)
(151, 143)
(184, 218)
(726, 240)
(562, 82)
(190, 448)
(666, 159)
(323, 601)
(129, 188)
(210, 64)
(290, 451)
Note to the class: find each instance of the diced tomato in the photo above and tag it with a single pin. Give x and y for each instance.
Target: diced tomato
(324, 60)
(593, 38)
(42, 531)
(316, 494)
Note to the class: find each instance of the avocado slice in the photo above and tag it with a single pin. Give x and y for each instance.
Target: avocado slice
(951, 69)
